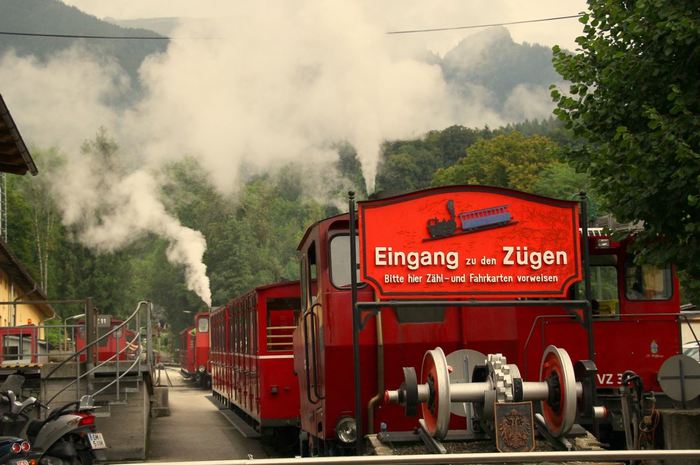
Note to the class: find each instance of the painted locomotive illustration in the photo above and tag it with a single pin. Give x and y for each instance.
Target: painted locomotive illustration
(469, 221)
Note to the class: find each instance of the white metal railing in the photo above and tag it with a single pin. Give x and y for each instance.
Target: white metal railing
(129, 351)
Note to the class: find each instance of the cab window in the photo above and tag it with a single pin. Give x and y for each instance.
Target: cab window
(340, 261)
(203, 325)
(604, 287)
(647, 282)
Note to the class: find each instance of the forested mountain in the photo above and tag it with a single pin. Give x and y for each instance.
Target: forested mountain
(54, 17)
(489, 66)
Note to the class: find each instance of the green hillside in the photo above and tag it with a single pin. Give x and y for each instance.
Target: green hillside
(54, 17)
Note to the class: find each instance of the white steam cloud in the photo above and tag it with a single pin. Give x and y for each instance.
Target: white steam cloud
(127, 208)
(283, 81)
(267, 83)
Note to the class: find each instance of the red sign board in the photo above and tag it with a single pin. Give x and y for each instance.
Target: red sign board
(469, 242)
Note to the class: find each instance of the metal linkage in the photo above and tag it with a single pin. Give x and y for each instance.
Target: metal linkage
(558, 390)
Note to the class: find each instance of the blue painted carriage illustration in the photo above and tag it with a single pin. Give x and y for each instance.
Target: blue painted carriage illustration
(486, 217)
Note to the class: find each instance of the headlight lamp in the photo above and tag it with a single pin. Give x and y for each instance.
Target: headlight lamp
(346, 430)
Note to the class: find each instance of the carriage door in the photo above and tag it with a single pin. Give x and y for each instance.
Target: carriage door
(310, 318)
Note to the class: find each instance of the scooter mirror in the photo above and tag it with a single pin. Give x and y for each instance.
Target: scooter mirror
(87, 402)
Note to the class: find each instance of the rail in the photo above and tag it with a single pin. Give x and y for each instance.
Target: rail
(133, 347)
(472, 458)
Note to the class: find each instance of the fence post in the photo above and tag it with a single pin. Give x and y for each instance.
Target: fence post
(149, 336)
(90, 336)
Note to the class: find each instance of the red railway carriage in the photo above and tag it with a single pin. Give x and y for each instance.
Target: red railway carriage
(120, 344)
(252, 364)
(634, 325)
(186, 353)
(194, 351)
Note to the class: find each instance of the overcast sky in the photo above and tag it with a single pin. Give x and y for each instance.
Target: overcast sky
(393, 15)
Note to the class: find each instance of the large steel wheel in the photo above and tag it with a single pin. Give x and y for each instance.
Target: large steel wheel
(436, 412)
(556, 367)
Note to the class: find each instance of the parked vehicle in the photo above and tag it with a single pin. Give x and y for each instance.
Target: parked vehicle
(17, 451)
(194, 351)
(67, 436)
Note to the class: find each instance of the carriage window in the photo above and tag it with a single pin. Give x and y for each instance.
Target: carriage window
(282, 315)
(647, 282)
(603, 285)
(203, 325)
(340, 261)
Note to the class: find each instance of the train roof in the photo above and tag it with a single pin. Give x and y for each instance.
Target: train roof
(277, 284)
(261, 288)
(345, 216)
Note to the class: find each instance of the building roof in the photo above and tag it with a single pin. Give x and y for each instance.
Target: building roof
(29, 289)
(14, 156)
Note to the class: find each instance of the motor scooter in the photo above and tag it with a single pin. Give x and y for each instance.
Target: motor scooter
(17, 451)
(67, 436)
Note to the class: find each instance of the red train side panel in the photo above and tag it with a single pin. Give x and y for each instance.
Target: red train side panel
(187, 366)
(252, 358)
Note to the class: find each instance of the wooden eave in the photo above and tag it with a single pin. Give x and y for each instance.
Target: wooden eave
(14, 156)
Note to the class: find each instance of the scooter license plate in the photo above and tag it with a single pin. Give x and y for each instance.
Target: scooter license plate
(19, 462)
(97, 441)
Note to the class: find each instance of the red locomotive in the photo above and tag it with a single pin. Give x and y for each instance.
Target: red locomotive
(119, 345)
(510, 287)
(251, 356)
(194, 351)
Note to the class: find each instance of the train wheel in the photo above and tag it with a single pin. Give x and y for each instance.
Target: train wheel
(435, 373)
(560, 410)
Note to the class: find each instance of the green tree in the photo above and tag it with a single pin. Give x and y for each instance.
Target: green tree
(634, 100)
(408, 165)
(35, 227)
(349, 167)
(560, 180)
(508, 160)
